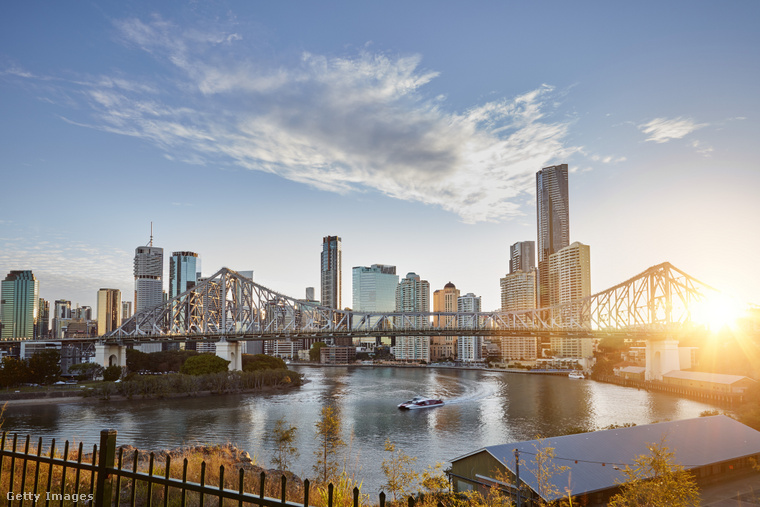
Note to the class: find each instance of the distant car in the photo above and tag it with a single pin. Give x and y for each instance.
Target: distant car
(60, 383)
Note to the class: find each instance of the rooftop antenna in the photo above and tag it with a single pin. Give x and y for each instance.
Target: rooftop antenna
(151, 234)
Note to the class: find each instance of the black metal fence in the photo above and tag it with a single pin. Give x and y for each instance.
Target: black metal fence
(103, 478)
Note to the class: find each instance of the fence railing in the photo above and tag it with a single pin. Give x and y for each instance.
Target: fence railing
(104, 478)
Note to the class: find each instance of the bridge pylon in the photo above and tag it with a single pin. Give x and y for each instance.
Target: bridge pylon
(110, 354)
(232, 352)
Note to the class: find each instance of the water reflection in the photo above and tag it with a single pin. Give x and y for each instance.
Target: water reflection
(482, 408)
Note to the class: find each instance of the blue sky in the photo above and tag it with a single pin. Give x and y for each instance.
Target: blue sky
(247, 131)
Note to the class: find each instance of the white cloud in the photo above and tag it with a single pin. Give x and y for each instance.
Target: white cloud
(343, 124)
(702, 149)
(662, 130)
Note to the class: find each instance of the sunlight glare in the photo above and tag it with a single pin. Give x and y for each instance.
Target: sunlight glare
(717, 312)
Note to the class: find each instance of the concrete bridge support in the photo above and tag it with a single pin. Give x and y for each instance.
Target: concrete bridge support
(662, 357)
(110, 355)
(232, 352)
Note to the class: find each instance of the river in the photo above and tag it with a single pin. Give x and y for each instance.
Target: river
(482, 408)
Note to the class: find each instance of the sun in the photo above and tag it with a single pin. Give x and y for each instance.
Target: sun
(716, 312)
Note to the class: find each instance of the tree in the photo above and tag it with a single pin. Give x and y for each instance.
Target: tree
(399, 476)
(14, 372)
(283, 438)
(314, 351)
(44, 366)
(329, 444)
(203, 364)
(656, 480)
(545, 471)
(253, 362)
(112, 373)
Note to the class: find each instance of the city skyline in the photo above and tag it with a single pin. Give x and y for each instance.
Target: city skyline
(246, 134)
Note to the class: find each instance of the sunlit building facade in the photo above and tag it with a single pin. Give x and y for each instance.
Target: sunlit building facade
(518, 291)
(552, 201)
(469, 348)
(149, 274)
(412, 296)
(444, 300)
(109, 310)
(183, 272)
(522, 256)
(19, 298)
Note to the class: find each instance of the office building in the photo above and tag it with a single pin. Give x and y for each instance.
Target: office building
(61, 318)
(444, 300)
(469, 348)
(553, 222)
(126, 310)
(570, 274)
(43, 321)
(518, 291)
(331, 272)
(109, 310)
(149, 274)
(522, 256)
(183, 272)
(310, 294)
(20, 300)
(412, 296)
(82, 313)
(374, 288)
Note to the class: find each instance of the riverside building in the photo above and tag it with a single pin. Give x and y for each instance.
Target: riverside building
(109, 310)
(331, 262)
(444, 300)
(553, 222)
(469, 348)
(412, 296)
(20, 305)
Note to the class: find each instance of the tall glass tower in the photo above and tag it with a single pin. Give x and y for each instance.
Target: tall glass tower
(183, 272)
(149, 274)
(109, 310)
(553, 222)
(331, 272)
(19, 295)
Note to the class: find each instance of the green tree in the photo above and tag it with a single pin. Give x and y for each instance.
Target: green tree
(656, 480)
(545, 471)
(112, 373)
(44, 366)
(86, 371)
(283, 437)
(314, 351)
(329, 444)
(14, 372)
(203, 364)
(254, 362)
(400, 478)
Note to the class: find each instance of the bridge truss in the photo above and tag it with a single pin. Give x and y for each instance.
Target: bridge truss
(662, 298)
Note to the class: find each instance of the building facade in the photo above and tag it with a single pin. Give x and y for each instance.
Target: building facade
(412, 295)
(183, 272)
(61, 317)
(519, 348)
(518, 291)
(374, 288)
(444, 300)
(469, 348)
(43, 321)
(126, 310)
(553, 222)
(522, 256)
(109, 310)
(570, 275)
(20, 298)
(331, 272)
(149, 275)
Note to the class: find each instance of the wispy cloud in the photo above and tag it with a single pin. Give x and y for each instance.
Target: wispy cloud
(702, 148)
(662, 130)
(353, 123)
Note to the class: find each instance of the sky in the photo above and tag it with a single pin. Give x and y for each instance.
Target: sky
(248, 131)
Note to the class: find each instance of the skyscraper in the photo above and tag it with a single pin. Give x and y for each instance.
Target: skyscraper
(553, 222)
(126, 310)
(183, 272)
(469, 348)
(331, 272)
(522, 256)
(109, 310)
(19, 295)
(61, 317)
(413, 295)
(43, 321)
(444, 300)
(518, 291)
(570, 274)
(149, 274)
(374, 288)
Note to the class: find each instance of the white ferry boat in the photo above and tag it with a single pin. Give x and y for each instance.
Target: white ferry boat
(420, 402)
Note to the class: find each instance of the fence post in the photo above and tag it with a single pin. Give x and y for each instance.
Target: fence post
(106, 456)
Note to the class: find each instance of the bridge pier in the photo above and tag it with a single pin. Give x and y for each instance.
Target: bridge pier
(110, 355)
(662, 357)
(232, 352)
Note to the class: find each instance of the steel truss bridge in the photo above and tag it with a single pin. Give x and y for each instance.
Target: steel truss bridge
(230, 307)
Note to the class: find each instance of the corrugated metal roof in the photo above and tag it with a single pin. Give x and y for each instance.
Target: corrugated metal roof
(695, 442)
(633, 369)
(716, 378)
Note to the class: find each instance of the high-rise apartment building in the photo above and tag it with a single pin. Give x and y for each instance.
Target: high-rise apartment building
(413, 295)
(20, 300)
(518, 291)
(61, 318)
(469, 348)
(374, 288)
(522, 256)
(183, 272)
(331, 272)
(553, 222)
(109, 310)
(149, 274)
(444, 300)
(570, 278)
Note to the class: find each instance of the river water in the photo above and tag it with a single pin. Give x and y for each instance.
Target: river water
(482, 408)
